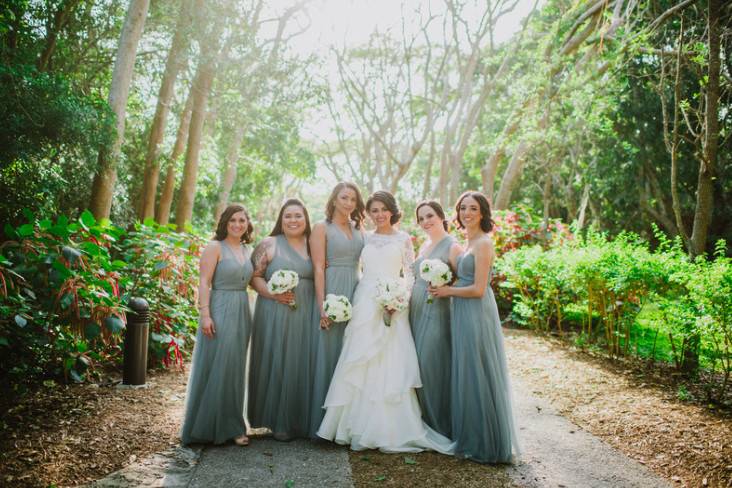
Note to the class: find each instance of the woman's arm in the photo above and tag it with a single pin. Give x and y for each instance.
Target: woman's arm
(318, 243)
(455, 251)
(206, 268)
(261, 258)
(484, 256)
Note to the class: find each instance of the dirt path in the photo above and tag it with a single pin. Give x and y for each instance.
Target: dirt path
(73, 435)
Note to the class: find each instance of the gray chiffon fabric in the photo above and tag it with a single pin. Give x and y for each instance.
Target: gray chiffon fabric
(431, 331)
(482, 417)
(280, 378)
(341, 278)
(214, 411)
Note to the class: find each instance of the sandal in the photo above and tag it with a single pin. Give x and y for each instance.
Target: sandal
(242, 440)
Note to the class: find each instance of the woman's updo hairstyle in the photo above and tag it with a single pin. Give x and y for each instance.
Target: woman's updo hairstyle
(486, 222)
(389, 201)
(222, 226)
(434, 205)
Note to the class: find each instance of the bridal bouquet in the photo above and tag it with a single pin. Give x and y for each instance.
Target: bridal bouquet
(392, 296)
(436, 273)
(337, 307)
(283, 280)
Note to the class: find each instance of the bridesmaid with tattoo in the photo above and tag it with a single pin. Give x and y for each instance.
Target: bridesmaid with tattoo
(431, 321)
(280, 374)
(214, 409)
(336, 246)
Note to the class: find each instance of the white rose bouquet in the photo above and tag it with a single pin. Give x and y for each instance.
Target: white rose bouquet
(337, 308)
(392, 296)
(283, 280)
(436, 273)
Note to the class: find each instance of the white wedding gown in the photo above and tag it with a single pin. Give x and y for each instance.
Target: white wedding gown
(371, 402)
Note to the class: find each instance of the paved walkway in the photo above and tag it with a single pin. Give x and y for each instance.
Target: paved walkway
(556, 453)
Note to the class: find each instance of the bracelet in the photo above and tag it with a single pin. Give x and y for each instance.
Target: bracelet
(203, 307)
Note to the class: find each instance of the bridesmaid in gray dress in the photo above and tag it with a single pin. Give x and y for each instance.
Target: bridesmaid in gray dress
(280, 374)
(214, 409)
(431, 321)
(483, 427)
(335, 246)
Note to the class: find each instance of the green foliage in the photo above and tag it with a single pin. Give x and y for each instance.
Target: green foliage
(598, 287)
(162, 267)
(63, 286)
(61, 309)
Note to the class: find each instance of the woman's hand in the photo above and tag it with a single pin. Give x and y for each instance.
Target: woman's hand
(439, 292)
(285, 298)
(208, 328)
(325, 321)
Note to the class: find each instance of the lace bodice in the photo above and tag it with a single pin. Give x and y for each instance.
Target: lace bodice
(388, 256)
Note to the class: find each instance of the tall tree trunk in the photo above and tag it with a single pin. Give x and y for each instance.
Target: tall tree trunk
(201, 89)
(511, 176)
(176, 61)
(106, 175)
(708, 165)
(162, 214)
(229, 175)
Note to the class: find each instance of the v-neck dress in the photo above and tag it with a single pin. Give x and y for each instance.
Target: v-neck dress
(341, 277)
(280, 373)
(431, 331)
(214, 409)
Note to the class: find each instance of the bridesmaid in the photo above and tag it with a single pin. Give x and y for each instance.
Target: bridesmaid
(338, 242)
(280, 376)
(431, 321)
(482, 417)
(215, 399)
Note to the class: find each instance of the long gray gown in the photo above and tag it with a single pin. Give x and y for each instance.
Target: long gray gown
(431, 331)
(482, 417)
(280, 373)
(341, 278)
(215, 399)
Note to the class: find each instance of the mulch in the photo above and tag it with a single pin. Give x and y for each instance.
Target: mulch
(73, 434)
(634, 410)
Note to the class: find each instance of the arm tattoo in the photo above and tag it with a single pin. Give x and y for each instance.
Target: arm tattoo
(260, 260)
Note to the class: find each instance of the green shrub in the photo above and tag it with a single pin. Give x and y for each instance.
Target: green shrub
(63, 286)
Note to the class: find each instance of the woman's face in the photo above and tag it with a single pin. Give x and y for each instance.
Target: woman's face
(428, 219)
(380, 215)
(237, 224)
(345, 201)
(293, 221)
(469, 212)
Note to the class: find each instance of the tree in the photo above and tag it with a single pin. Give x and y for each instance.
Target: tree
(177, 59)
(106, 174)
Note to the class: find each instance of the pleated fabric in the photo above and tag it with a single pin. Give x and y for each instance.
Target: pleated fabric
(341, 278)
(483, 426)
(214, 411)
(431, 331)
(280, 378)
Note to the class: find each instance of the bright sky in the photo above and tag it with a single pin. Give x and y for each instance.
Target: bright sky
(338, 23)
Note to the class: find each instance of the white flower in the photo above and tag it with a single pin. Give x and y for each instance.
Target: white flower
(435, 272)
(392, 296)
(281, 281)
(337, 307)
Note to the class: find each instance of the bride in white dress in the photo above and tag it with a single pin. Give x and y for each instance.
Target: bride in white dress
(371, 402)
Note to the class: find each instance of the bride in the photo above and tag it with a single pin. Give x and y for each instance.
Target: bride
(371, 402)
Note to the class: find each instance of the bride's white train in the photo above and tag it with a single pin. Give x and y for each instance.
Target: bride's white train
(371, 402)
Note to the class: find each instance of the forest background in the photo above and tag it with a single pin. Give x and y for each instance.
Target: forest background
(600, 130)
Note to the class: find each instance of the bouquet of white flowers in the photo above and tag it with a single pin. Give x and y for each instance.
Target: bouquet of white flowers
(436, 273)
(337, 307)
(283, 280)
(393, 296)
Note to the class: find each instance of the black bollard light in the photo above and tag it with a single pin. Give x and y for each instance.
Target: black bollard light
(134, 367)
